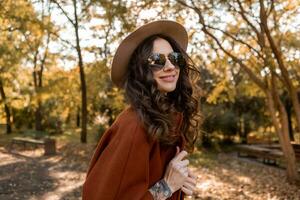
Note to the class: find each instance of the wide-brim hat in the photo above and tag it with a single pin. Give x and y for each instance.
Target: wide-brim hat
(123, 54)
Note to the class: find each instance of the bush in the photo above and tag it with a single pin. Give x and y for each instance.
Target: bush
(53, 124)
(100, 132)
(23, 117)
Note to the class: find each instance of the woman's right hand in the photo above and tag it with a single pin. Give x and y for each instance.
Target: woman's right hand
(177, 171)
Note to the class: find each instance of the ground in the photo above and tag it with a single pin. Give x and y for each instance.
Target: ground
(30, 175)
(225, 176)
(27, 174)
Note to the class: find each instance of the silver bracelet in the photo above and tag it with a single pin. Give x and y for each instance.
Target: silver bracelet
(161, 190)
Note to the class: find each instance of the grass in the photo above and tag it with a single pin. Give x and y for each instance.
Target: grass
(71, 135)
(5, 139)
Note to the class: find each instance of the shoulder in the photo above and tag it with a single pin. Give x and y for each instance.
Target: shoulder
(128, 115)
(129, 126)
(128, 118)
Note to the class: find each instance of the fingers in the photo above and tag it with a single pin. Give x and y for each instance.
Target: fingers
(179, 164)
(177, 150)
(189, 187)
(192, 178)
(182, 164)
(192, 174)
(184, 171)
(186, 191)
(180, 156)
(191, 181)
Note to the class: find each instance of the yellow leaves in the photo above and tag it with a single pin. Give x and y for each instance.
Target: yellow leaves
(20, 103)
(291, 5)
(212, 98)
(250, 89)
(180, 19)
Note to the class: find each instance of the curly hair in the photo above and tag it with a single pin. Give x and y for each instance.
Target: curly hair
(157, 110)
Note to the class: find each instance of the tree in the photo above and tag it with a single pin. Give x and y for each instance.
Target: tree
(253, 53)
(17, 21)
(114, 13)
(38, 56)
(75, 23)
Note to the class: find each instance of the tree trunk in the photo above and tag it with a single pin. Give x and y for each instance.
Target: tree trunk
(288, 107)
(289, 155)
(6, 108)
(75, 24)
(38, 117)
(82, 80)
(78, 117)
(38, 110)
(242, 130)
(278, 57)
(38, 84)
(282, 131)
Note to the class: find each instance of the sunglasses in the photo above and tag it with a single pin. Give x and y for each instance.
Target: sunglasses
(157, 61)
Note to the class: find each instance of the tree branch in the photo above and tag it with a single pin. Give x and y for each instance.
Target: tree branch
(256, 79)
(237, 40)
(242, 13)
(63, 11)
(61, 39)
(274, 48)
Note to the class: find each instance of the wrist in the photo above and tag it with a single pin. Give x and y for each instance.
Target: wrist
(161, 190)
(168, 190)
(168, 185)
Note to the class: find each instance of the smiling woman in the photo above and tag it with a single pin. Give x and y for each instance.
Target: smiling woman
(166, 76)
(141, 156)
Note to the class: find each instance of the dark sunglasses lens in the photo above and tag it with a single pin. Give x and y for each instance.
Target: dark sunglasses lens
(177, 59)
(157, 59)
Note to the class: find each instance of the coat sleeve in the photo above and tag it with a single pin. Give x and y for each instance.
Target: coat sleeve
(119, 169)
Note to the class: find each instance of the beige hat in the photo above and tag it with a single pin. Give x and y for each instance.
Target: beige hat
(129, 44)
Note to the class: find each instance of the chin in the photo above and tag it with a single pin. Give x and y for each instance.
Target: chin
(167, 89)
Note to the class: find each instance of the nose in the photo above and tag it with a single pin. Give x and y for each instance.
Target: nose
(168, 65)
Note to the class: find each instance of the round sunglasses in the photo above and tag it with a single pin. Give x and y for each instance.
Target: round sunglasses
(157, 61)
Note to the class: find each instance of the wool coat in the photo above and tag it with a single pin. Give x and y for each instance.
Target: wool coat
(125, 164)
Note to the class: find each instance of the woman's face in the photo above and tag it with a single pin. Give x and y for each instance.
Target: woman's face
(167, 77)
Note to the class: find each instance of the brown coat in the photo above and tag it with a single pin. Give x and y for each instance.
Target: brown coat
(124, 165)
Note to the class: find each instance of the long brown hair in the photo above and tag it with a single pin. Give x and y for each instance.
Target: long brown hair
(157, 110)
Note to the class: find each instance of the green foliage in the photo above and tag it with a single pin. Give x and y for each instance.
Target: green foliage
(23, 117)
(101, 130)
(35, 134)
(53, 124)
(105, 99)
(240, 117)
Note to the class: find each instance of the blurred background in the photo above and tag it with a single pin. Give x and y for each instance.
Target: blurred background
(56, 96)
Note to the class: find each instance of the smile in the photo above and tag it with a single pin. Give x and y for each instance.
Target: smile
(170, 78)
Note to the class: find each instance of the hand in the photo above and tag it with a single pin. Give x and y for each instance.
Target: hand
(177, 172)
(189, 186)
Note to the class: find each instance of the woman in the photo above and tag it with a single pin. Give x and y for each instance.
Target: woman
(141, 156)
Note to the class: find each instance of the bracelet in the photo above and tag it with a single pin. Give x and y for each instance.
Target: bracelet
(167, 190)
(161, 190)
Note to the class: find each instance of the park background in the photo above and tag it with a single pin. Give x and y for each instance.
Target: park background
(55, 58)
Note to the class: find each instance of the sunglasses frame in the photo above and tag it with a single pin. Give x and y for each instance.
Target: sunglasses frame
(175, 58)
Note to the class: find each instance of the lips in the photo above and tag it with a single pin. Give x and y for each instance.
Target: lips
(169, 78)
